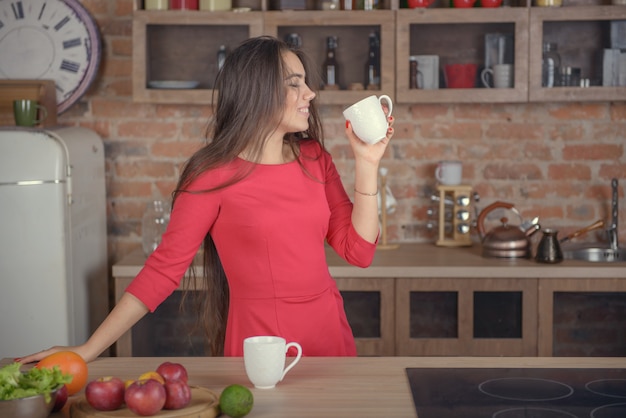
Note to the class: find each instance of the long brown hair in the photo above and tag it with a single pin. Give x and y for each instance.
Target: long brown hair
(250, 103)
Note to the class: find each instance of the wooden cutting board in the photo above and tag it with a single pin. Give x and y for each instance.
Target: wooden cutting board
(204, 404)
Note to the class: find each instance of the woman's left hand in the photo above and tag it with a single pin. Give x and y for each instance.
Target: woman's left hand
(368, 152)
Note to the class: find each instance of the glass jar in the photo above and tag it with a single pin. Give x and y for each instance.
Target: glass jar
(154, 222)
(550, 65)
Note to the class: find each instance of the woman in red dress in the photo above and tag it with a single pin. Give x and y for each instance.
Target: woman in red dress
(263, 196)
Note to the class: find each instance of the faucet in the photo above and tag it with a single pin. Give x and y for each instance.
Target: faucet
(613, 228)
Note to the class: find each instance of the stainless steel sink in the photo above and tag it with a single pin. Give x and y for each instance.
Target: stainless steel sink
(611, 253)
(598, 255)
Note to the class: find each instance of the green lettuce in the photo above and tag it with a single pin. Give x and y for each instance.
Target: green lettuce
(16, 384)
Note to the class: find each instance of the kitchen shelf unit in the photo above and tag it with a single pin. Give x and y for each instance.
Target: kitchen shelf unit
(436, 32)
(578, 31)
(159, 35)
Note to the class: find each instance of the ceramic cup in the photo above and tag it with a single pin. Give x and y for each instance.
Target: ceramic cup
(368, 119)
(502, 76)
(264, 359)
(25, 112)
(460, 76)
(449, 173)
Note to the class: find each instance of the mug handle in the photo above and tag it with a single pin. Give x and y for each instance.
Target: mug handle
(389, 103)
(420, 79)
(44, 113)
(483, 77)
(438, 172)
(296, 360)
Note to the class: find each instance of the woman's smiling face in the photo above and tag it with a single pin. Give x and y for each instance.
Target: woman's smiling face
(297, 97)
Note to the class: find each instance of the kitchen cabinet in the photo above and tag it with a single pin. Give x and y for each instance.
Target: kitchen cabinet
(458, 36)
(581, 33)
(352, 29)
(472, 297)
(179, 46)
(548, 292)
(475, 332)
(455, 35)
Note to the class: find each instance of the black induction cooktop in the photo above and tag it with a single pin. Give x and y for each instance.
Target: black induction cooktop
(518, 392)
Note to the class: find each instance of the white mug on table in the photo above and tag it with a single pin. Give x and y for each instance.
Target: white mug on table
(502, 76)
(264, 359)
(368, 120)
(449, 172)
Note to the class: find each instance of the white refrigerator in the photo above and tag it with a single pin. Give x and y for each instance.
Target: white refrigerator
(53, 249)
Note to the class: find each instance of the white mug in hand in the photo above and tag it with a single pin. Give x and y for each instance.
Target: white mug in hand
(368, 119)
(264, 359)
(449, 173)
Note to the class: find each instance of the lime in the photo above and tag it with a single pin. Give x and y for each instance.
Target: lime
(236, 401)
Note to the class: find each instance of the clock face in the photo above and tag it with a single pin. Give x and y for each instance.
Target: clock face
(49, 39)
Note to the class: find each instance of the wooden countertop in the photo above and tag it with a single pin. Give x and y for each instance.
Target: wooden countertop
(327, 386)
(430, 261)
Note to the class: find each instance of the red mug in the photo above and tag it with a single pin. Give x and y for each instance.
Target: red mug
(461, 4)
(461, 76)
(184, 4)
(414, 4)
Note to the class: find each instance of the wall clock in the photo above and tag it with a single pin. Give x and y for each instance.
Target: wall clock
(50, 39)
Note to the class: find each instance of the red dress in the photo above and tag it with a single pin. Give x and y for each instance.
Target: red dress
(269, 230)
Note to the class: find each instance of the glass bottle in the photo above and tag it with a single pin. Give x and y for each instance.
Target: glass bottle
(154, 222)
(294, 40)
(221, 57)
(372, 66)
(330, 69)
(550, 65)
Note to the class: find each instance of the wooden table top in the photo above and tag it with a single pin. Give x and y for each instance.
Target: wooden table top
(328, 386)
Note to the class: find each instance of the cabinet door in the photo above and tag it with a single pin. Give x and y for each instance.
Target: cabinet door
(175, 52)
(460, 36)
(581, 33)
(352, 29)
(369, 305)
(466, 317)
(555, 328)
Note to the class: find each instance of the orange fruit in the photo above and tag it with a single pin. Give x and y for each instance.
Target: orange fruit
(152, 375)
(69, 363)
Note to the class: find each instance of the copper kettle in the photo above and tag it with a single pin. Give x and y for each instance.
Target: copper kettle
(504, 241)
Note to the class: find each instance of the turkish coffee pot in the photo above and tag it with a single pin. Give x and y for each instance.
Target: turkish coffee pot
(505, 240)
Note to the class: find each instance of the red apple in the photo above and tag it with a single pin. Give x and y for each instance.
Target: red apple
(105, 393)
(145, 397)
(61, 399)
(178, 394)
(172, 371)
